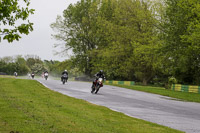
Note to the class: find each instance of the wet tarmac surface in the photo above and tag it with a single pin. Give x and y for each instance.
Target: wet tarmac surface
(184, 116)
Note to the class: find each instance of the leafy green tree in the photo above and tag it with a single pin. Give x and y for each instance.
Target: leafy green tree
(32, 60)
(8, 59)
(22, 68)
(132, 42)
(10, 14)
(118, 36)
(35, 64)
(78, 29)
(19, 59)
(38, 68)
(2, 66)
(17, 64)
(181, 35)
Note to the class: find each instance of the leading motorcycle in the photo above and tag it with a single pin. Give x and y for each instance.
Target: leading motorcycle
(46, 76)
(97, 85)
(32, 75)
(64, 78)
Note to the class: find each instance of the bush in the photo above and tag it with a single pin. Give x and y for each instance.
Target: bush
(171, 80)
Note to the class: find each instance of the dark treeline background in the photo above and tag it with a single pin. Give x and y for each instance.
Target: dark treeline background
(148, 41)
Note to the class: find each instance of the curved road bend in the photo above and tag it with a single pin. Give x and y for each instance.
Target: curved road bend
(184, 116)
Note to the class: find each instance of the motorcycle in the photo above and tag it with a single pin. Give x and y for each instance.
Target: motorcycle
(97, 85)
(64, 78)
(32, 75)
(15, 73)
(46, 76)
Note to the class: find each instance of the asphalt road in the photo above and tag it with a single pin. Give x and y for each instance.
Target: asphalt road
(184, 116)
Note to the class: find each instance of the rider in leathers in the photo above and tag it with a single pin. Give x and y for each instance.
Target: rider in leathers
(98, 75)
(65, 72)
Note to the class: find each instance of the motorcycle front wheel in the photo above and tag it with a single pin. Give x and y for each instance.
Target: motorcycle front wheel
(92, 89)
(97, 89)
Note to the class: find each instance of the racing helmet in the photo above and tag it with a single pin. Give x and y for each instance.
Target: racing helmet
(101, 71)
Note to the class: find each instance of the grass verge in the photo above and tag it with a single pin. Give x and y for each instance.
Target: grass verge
(184, 96)
(27, 106)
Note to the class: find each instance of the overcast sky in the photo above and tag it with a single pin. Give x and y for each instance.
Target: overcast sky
(39, 42)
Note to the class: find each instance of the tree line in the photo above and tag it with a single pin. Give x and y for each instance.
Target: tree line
(33, 63)
(148, 41)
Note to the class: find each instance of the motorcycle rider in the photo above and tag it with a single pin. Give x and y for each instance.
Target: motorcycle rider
(98, 75)
(45, 71)
(15, 74)
(32, 75)
(45, 74)
(65, 72)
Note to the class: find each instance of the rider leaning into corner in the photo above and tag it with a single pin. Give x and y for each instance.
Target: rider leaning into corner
(65, 72)
(98, 75)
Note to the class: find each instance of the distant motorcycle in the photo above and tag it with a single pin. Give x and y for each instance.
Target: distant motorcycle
(32, 75)
(97, 85)
(46, 76)
(15, 74)
(64, 78)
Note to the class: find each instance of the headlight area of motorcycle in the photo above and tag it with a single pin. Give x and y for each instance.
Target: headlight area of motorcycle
(100, 79)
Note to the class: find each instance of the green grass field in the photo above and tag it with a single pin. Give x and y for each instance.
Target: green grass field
(184, 96)
(26, 106)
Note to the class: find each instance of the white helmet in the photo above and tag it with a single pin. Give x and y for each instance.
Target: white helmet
(65, 70)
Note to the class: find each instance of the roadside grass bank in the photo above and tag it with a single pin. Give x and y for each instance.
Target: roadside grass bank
(6, 76)
(183, 96)
(28, 106)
